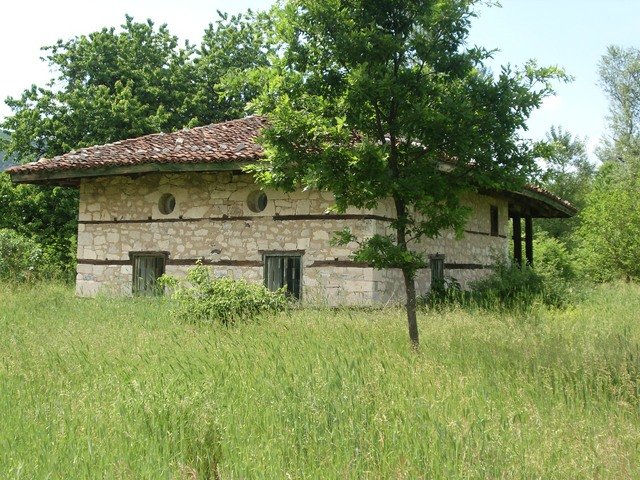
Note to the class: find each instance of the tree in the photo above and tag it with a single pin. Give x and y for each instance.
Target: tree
(231, 49)
(609, 223)
(46, 215)
(115, 84)
(610, 226)
(619, 71)
(109, 85)
(378, 100)
(569, 174)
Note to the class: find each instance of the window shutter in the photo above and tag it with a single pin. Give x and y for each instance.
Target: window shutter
(436, 263)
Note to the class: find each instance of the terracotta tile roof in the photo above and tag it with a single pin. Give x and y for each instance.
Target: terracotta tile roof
(551, 196)
(232, 141)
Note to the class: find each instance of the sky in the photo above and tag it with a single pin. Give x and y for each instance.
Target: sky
(572, 34)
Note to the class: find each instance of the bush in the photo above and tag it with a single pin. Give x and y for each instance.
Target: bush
(21, 259)
(609, 246)
(203, 299)
(553, 260)
(446, 292)
(512, 286)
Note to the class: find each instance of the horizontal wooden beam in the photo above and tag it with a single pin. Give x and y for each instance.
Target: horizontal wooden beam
(114, 170)
(177, 262)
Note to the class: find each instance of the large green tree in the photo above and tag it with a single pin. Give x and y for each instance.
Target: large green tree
(115, 84)
(609, 232)
(619, 71)
(232, 48)
(121, 83)
(383, 99)
(108, 85)
(569, 174)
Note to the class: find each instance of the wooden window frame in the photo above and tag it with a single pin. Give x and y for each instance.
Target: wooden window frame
(494, 221)
(297, 255)
(436, 265)
(147, 254)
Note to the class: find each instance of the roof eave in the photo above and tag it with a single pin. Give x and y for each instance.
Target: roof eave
(71, 177)
(538, 205)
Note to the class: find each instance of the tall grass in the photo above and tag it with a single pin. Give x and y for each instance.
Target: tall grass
(113, 388)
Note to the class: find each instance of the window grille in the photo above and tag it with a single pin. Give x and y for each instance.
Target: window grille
(283, 271)
(147, 268)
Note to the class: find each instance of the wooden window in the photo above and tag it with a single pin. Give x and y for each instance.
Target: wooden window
(147, 268)
(283, 271)
(495, 222)
(436, 263)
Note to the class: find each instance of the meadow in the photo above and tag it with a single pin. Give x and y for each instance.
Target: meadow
(116, 389)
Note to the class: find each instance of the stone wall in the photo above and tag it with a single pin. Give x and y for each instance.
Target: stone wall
(212, 221)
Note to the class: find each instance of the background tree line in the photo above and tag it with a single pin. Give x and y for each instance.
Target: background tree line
(602, 242)
(115, 84)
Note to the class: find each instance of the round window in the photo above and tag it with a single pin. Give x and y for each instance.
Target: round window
(167, 203)
(257, 201)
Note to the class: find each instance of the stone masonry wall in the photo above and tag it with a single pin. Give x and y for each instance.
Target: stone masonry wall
(212, 220)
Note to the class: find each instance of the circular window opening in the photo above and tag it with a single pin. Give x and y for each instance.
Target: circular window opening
(167, 203)
(257, 201)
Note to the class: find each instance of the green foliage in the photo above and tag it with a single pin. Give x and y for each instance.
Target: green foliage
(619, 71)
(21, 259)
(230, 50)
(510, 286)
(445, 293)
(610, 228)
(368, 99)
(569, 174)
(110, 85)
(48, 216)
(5, 161)
(317, 394)
(203, 299)
(553, 259)
(116, 84)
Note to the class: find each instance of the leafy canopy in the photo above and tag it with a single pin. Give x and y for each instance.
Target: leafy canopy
(122, 83)
(384, 99)
(569, 174)
(115, 84)
(610, 226)
(619, 71)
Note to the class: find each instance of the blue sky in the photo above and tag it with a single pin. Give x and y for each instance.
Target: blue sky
(572, 34)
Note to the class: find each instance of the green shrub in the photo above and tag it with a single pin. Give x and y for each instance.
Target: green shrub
(203, 299)
(446, 292)
(512, 286)
(21, 259)
(608, 237)
(553, 260)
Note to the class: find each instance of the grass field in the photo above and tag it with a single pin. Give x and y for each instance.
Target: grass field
(113, 388)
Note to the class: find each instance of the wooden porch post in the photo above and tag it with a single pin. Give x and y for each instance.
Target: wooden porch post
(528, 239)
(517, 240)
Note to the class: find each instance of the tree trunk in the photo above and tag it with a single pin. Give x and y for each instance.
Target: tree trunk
(410, 288)
(408, 273)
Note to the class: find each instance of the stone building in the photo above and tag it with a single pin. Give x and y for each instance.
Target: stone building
(158, 203)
